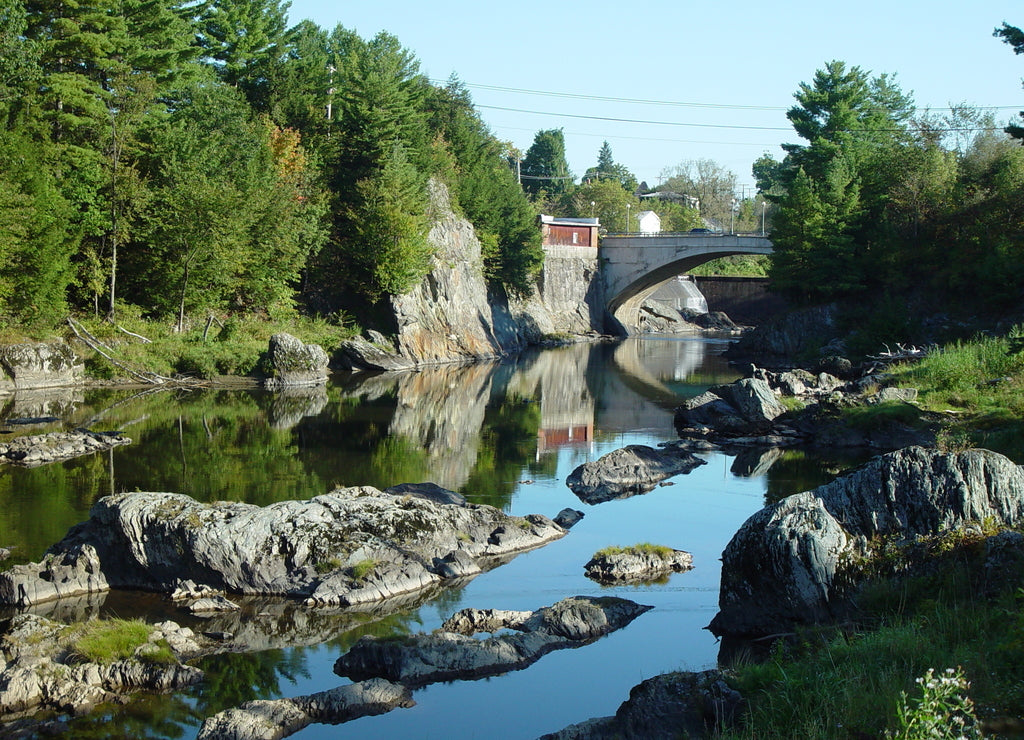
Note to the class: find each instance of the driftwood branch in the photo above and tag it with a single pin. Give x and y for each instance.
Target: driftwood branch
(133, 334)
(98, 347)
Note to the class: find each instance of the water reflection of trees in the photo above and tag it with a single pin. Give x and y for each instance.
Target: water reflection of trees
(796, 471)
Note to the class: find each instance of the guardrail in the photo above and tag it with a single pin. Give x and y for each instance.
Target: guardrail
(634, 234)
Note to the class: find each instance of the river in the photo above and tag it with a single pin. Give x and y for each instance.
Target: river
(505, 434)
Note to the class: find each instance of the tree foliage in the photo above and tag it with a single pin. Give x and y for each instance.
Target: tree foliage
(878, 200)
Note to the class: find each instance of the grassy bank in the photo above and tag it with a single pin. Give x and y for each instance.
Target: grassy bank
(206, 350)
(869, 678)
(978, 388)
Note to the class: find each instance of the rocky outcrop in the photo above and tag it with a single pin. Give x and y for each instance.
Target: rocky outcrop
(676, 705)
(637, 563)
(745, 407)
(627, 472)
(452, 653)
(792, 563)
(452, 315)
(351, 546)
(41, 449)
(41, 670)
(38, 365)
(747, 413)
(794, 337)
(293, 363)
(274, 719)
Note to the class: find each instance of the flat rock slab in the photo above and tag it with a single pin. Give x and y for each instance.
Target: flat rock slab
(274, 719)
(41, 449)
(627, 472)
(350, 547)
(452, 654)
(39, 669)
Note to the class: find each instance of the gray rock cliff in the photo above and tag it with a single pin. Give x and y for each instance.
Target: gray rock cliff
(453, 315)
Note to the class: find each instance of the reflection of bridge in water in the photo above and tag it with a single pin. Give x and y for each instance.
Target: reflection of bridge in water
(634, 265)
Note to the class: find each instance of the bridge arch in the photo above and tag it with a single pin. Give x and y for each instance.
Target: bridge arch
(633, 266)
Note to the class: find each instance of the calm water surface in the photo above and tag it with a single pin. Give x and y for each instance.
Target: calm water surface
(505, 434)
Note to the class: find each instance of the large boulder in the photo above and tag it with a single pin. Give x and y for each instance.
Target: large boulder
(453, 653)
(792, 563)
(755, 401)
(628, 471)
(293, 363)
(351, 546)
(676, 705)
(38, 365)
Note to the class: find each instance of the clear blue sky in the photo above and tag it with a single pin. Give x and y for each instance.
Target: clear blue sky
(723, 73)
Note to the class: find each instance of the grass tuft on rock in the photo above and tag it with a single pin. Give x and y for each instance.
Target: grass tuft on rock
(109, 640)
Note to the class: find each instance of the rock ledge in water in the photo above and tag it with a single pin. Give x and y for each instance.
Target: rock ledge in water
(627, 472)
(351, 546)
(38, 670)
(637, 563)
(41, 449)
(261, 720)
(452, 653)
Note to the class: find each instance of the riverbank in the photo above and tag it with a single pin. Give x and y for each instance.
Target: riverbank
(961, 615)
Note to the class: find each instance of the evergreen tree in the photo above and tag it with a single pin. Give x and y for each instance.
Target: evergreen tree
(390, 228)
(242, 38)
(544, 168)
(486, 188)
(608, 169)
(36, 244)
(1015, 38)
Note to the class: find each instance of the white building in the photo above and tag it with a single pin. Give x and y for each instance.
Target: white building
(649, 222)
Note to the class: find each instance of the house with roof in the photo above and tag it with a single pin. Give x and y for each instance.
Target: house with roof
(568, 232)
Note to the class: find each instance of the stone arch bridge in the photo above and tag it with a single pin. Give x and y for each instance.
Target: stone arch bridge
(634, 265)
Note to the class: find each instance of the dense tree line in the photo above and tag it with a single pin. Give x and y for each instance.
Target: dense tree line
(186, 158)
(880, 199)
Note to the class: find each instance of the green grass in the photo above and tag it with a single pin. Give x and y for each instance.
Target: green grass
(978, 386)
(642, 548)
(361, 570)
(110, 640)
(235, 348)
(853, 682)
(883, 415)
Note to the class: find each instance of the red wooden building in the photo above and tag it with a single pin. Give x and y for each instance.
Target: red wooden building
(568, 232)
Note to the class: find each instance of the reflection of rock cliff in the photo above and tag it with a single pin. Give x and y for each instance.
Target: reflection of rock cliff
(559, 379)
(441, 410)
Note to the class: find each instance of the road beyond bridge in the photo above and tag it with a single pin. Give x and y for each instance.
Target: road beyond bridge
(634, 265)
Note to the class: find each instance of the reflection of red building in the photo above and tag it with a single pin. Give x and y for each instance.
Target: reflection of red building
(569, 436)
(568, 232)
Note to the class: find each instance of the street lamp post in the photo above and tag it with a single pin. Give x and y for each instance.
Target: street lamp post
(628, 206)
(763, 205)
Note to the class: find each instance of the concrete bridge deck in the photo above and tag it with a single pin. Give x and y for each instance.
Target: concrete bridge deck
(634, 265)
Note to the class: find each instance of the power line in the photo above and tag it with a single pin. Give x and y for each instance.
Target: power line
(634, 120)
(678, 103)
(723, 125)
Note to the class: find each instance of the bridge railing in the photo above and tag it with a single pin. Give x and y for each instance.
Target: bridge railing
(635, 234)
